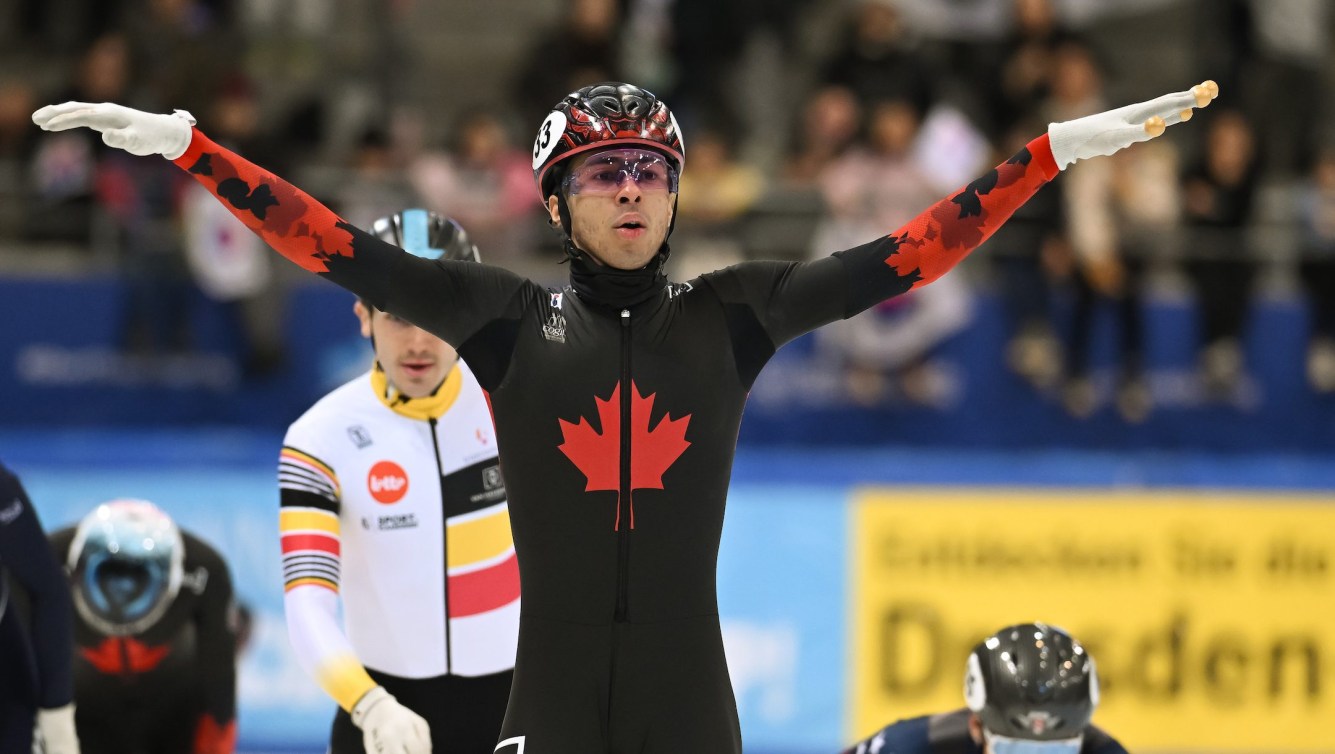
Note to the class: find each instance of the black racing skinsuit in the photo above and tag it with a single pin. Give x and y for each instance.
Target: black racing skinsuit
(171, 688)
(617, 530)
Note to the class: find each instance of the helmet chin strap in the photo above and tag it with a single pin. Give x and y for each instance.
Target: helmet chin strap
(563, 209)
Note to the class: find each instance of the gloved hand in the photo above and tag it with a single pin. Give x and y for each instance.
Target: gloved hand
(55, 731)
(389, 727)
(1107, 132)
(135, 131)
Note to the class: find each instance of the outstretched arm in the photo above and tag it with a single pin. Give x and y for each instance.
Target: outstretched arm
(287, 218)
(786, 300)
(451, 299)
(934, 242)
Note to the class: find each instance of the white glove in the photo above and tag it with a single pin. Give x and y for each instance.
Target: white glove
(1102, 134)
(135, 131)
(55, 731)
(389, 727)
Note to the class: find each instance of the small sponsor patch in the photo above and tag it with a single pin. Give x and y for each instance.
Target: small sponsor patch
(491, 477)
(387, 482)
(555, 328)
(678, 289)
(403, 521)
(359, 436)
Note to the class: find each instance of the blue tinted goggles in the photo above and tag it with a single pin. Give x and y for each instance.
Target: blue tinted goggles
(998, 744)
(605, 172)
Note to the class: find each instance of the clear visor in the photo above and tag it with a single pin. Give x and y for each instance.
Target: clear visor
(126, 560)
(605, 172)
(998, 744)
(124, 590)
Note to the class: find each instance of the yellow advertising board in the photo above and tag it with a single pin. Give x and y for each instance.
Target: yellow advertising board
(1211, 617)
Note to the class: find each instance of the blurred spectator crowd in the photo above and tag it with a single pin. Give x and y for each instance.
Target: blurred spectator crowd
(811, 126)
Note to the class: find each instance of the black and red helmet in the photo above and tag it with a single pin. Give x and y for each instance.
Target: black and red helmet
(610, 114)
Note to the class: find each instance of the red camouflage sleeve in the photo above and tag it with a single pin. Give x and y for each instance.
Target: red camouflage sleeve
(452, 299)
(287, 218)
(931, 244)
(785, 300)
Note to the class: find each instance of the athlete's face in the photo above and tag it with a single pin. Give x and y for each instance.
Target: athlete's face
(620, 205)
(414, 360)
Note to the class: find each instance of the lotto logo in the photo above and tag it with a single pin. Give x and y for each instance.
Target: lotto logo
(387, 482)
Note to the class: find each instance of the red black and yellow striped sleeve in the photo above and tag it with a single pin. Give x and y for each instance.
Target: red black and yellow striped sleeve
(308, 520)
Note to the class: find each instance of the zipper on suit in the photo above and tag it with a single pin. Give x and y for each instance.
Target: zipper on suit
(625, 512)
(444, 542)
(124, 647)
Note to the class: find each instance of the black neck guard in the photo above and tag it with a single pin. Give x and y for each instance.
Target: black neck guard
(615, 288)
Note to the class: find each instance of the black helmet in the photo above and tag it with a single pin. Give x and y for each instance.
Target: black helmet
(609, 114)
(1032, 681)
(426, 234)
(126, 563)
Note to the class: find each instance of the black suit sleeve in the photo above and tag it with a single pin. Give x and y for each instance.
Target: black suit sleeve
(767, 304)
(25, 553)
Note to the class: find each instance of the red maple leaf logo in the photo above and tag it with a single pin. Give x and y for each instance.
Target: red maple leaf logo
(598, 456)
(124, 655)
